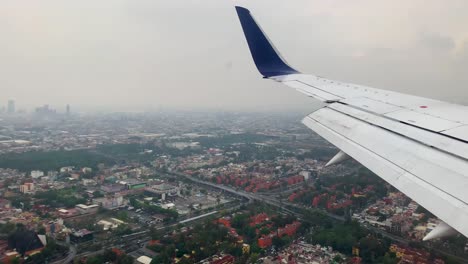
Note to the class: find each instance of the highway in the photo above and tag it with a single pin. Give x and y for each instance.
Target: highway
(129, 240)
(70, 256)
(258, 197)
(132, 241)
(274, 202)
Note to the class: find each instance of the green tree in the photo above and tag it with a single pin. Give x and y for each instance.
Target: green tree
(390, 258)
(265, 231)
(7, 228)
(125, 259)
(122, 230)
(98, 194)
(371, 249)
(161, 259)
(123, 215)
(249, 232)
(41, 230)
(338, 259)
(109, 255)
(277, 242)
(255, 249)
(239, 221)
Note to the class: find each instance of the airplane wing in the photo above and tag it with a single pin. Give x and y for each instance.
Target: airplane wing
(418, 145)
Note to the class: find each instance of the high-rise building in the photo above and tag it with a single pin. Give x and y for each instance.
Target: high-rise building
(45, 110)
(11, 106)
(68, 109)
(27, 187)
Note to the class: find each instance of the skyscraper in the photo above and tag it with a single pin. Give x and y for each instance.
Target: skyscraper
(68, 109)
(11, 106)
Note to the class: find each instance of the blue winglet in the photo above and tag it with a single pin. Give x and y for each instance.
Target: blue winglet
(268, 61)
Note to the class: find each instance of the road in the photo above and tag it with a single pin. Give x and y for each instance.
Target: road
(274, 202)
(133, 243)
(257, 197)
(251, 197)
(70, 256)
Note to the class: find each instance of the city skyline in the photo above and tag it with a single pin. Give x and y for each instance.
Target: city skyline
(63, 108)
(135, 56)
(11, 108)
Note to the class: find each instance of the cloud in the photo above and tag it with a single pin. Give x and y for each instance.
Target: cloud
(133, 55)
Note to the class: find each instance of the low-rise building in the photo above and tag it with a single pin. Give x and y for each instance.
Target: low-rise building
(143, 260)
(81, 236)
(111, 223)
(87, 209)
(112, 202)
(132, 184)
(223, 259)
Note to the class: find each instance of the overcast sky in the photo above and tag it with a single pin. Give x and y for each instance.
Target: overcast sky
(146, 54)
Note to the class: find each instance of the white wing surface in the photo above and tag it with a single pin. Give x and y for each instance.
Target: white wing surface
(418, 145)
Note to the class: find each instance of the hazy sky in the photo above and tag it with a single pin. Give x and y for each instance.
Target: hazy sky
(146, 54)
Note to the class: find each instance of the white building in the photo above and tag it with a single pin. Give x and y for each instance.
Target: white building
(66, 169)
(86, 170)
(168, 206)
(183, 145)
(164, 190)
(87, 209)
(111, 202)
(36, 174)
(112, 223)
(89, 182)
(143, 260)
(306, 175)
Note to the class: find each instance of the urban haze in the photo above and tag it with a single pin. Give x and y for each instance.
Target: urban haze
(147, 55)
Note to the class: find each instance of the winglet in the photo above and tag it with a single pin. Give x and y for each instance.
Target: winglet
(268, 61)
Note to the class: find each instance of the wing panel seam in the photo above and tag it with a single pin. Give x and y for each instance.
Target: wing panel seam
(400, 134)
(320, 89)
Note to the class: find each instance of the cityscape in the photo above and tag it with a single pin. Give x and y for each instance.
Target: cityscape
(176, 132)
(197, 187)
